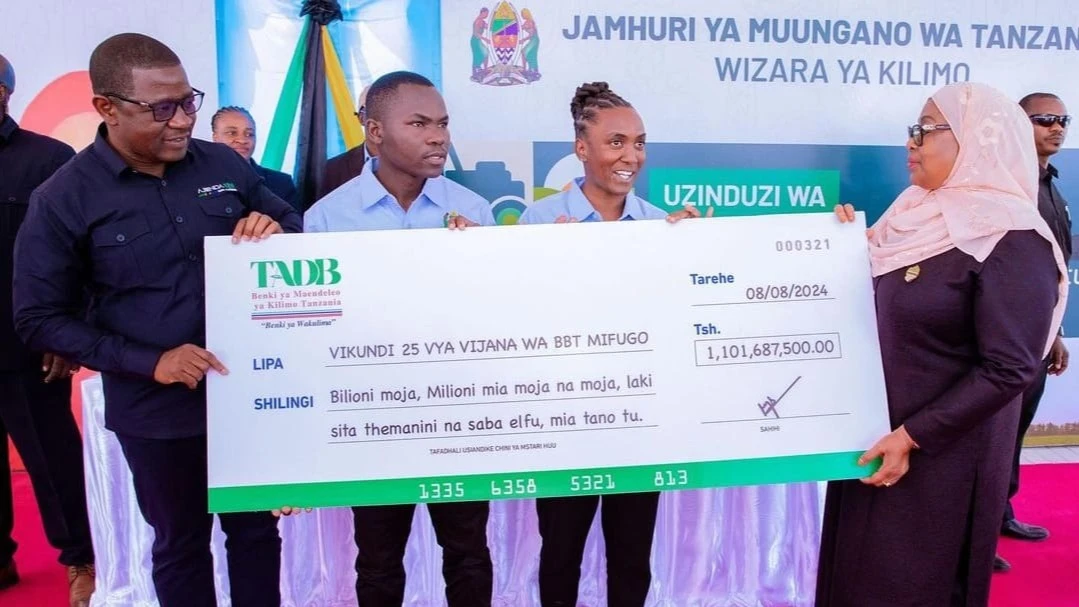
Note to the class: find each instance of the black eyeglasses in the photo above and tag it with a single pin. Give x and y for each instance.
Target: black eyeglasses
(362, 114)
(165, 110)
(917, 132)
(1048, 120)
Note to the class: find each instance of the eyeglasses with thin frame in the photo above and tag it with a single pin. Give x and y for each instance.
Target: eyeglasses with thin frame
(1048, 120)
(164, 110)
(917, 132)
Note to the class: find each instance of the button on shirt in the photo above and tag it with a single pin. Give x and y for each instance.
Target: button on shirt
(26, 161)
(572, 203)
(134, 242)
(362, 203)
(1054, 210)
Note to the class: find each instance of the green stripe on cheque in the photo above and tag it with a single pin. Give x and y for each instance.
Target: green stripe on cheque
(556, 483)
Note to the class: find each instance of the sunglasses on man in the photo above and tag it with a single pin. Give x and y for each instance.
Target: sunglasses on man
(1048, 120)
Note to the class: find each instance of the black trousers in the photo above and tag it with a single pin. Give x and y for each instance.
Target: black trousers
(171, 486)
(629, 521)
(1031, 397)
(461, 530)
(38, 418)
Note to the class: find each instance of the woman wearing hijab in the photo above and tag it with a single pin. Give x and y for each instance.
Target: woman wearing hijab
(968, 302)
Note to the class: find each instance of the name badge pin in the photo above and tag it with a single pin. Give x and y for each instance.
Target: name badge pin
(912, 273)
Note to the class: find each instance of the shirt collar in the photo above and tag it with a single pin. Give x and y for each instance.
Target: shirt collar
(112, 160)
(108, 156)
(1049, 173)
(373, 192)
(582, 209)
(8, 127)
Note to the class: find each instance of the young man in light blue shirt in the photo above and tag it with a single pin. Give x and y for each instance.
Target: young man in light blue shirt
(404, 189)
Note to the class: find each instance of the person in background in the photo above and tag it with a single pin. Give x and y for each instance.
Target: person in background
(403, 188)
(1050, 120)
(233, 126)
(124, 220)
(610, 143)
(35, 388)
(343, 167)
(970, 287)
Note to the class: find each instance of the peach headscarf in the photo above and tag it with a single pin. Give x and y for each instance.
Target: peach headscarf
(992, 189)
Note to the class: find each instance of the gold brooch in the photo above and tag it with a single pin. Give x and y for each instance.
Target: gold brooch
(912, 273)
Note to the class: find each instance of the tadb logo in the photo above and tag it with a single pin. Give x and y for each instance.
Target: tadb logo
(297, 272)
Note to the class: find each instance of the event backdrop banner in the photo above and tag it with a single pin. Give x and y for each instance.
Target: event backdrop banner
(750, 107)
(49, 42)
(258, 38)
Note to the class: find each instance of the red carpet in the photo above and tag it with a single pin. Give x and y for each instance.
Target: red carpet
(1044, 574)
(44, 581)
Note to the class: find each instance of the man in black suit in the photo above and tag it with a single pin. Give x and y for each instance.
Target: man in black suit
(35, 386)
(344, 167)
(233, 126)
(1050, 120)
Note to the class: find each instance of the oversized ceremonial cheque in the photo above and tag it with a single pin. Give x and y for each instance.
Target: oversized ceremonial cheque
(533, 361)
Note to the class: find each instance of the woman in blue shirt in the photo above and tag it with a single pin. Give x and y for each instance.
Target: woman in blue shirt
(610, 143)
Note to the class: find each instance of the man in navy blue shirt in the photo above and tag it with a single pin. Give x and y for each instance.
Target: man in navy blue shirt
(35, 388)
(233, 126)
(124, 222)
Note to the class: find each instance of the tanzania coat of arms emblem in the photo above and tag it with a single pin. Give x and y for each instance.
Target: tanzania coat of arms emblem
(505, 51)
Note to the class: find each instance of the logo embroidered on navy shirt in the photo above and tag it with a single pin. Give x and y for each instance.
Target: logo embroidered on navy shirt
(216, 189)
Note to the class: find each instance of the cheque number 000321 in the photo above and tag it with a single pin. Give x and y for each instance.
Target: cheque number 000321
(807, 244)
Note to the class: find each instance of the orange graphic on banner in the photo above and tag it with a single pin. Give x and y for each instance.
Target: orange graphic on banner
(62, 110)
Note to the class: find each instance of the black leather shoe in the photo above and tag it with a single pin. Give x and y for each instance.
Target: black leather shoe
(9, 576)
(1023, 531)
(1000, 565)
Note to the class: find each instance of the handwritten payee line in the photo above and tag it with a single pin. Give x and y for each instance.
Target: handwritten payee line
(460, 360)
(491, 402)
(386, 440)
